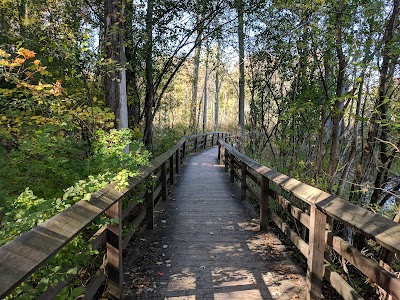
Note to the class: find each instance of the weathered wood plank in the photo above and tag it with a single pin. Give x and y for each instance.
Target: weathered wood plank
(264, 205)
(370, 268)
(315, 261)
(94, 284)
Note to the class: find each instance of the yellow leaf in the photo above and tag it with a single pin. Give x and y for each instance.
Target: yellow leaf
(4, 54)
(4, 62)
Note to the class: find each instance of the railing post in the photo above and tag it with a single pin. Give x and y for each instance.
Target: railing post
(171, 169)
(212, 140)
(164, 181)
(177, 161)
(232, 166)
(243, 185)
(225, 159)
(114, 253)
(150, 208)
(195, 145)
(264, 203)
(219, 152)
(315, 260)
(205, 141)
(184, 150)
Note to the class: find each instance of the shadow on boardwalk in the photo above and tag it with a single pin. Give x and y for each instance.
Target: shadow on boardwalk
(206, 245)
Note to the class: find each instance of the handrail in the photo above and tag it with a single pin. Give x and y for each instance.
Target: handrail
(321, 204)
(25, 254)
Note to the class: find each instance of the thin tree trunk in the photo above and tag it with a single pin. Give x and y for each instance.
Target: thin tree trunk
(149, 98)
(195, 82)
(205, 110)
(116, 97)
(239, 8)
(217, 86)
(337, 113)
(382, 106)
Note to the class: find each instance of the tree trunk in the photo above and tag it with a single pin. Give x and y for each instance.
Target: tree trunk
(217, 87)
(239, 8)
(381, 105)
(338, 110)
(205, 110)
(115, 90)
(195, 82)
(149, 98)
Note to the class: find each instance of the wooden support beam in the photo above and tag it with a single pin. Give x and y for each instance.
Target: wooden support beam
(149, 208)
(226, 158)
(195, 145)
(177, 161)
(243, 183)
(114, 253)
(315, 262)
(171, 169)
(164, 181)
(264, 203)
(232, 167)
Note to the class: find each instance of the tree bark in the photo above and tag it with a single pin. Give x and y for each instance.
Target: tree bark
(149, 98)
(217, 86)
(205, 92)
(337, 112)
(239, 8)
(382, 105)
(195, 82)
(115, 80)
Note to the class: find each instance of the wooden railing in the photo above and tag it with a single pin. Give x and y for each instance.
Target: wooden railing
(26, 254)
(265, 184)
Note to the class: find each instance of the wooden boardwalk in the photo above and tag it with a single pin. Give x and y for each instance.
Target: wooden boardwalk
(206, 245)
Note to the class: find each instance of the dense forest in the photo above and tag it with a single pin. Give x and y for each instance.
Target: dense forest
(90, 90)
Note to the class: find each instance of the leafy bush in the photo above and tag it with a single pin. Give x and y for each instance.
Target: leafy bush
(108, 163)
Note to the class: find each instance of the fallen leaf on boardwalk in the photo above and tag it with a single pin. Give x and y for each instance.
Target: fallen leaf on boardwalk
(163, 221)
(211, 232)
(165, 246)
(160, 274)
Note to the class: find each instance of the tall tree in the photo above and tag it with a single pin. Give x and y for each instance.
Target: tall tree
(149, 99)
(114, 46)
(240, 31)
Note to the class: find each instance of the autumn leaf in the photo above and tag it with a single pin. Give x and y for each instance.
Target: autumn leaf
(4, 54)
(36, 63)
(26, 53)
(19, 60)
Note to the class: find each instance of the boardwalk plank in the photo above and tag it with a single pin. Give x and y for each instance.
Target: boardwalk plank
(206, 245)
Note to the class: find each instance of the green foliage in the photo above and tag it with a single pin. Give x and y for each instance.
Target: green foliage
(108, 163)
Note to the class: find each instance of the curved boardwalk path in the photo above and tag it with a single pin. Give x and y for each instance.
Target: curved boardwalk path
(206, 245)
